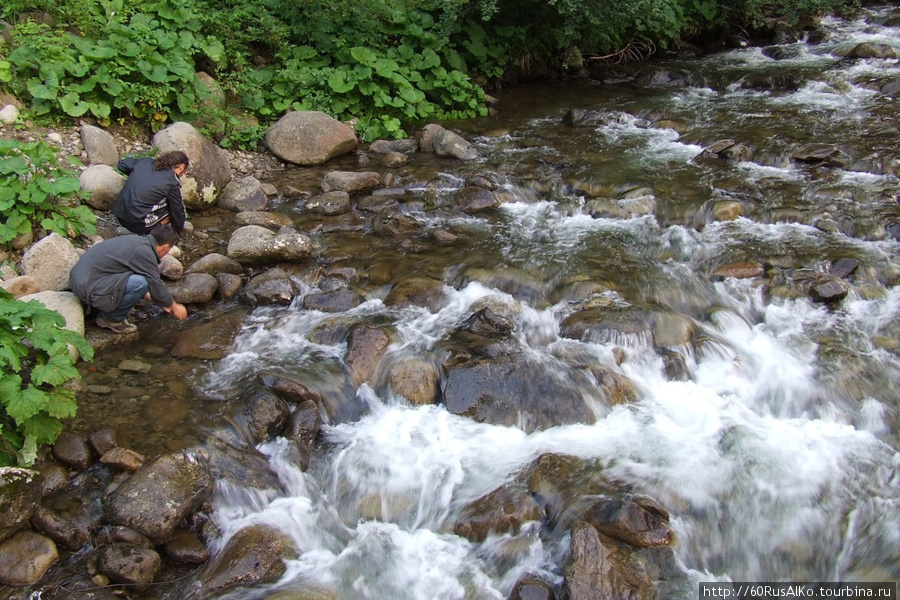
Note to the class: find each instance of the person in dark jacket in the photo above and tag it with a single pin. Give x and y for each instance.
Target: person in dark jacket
(115, 274)
(152, 193)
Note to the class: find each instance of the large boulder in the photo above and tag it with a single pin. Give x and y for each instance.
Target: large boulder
(99, 146)
(253, 244)
(49, 262)
(309, 138)
(159, 496)
(20, 493)
(209, 171)
(103, 184)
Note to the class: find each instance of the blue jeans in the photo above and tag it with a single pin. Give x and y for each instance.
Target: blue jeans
(135, 289)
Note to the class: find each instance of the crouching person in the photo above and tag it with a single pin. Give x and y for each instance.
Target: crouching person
(115, 274)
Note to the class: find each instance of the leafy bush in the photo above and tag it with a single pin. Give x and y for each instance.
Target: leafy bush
(34, 190)
(143, 65)
(35, 370)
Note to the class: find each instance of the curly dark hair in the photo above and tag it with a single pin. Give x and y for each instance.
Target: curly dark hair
(170, 160)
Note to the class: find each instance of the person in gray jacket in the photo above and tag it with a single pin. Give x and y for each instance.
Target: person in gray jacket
(152, 193)
(115, 274)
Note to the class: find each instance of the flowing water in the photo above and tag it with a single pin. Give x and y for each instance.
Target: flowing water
(777, 457)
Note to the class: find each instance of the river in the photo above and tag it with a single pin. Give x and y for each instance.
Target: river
(777, 453)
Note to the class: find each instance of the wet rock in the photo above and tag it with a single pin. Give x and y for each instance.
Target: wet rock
(579, 117)
(392, 160)
(260, 218)
(49, 261)
(124, 535)
(196, 288)
(65, 532)
(614, 387)
(210, 340)
(254, 555)
(159, 495)
(504, 510)
(452, 145)
(122, 459)
(337, 301)
(209, 171)
(608, 325)
(487, 323)
(406, 146)
(364, 349)
(395, 224)
(416, 380)
(186, 548)
(473, 200)
(302, 429)
(21, 286)
(564, 486)
(630, 522)
(377, 204)
(816, 153)
(133, 565)
(872, 50)
(20, 494)
(133, 365)
(54, 477)
(844, 267)
(274, 287)
(241, 195)
(426, 293)
(309, 138)
(99, 145)
(675, 367)
(530, 587)
(727, 210)
(267, 415)
(774, 82)
(237, 463)
(510, 391)
(25, 557)
(672, 329)
(738, 270)
(599, 568)
(829, 290)
(73, 451)
(252, 244)
(350, 181)
(102, 184)
(287, 389)
(329, 204)
(214, 264)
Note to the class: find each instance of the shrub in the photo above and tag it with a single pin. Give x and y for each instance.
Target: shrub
(35, 370)
(34, 190)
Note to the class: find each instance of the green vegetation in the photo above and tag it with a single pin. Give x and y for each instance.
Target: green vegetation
(34, 190)
(389, 64)
(36, 368)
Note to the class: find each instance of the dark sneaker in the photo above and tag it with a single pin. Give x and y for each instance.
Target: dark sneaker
(116, 326)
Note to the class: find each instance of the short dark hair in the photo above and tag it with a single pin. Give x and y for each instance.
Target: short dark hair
(164, 234)
(170, 160)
